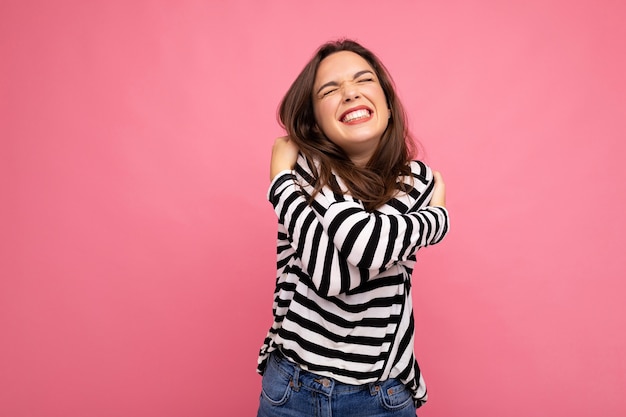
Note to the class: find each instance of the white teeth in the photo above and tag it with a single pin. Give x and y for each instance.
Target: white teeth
(357, 114)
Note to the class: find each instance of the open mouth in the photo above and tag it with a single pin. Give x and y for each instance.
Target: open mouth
(356, 115)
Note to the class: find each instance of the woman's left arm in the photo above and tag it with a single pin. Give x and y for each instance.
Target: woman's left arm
(369, 241)
(376, 241)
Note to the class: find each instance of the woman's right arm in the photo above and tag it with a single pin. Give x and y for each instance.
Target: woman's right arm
(341, 245)
(371, 241)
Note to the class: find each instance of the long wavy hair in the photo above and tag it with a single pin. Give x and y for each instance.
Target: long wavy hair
(378, 181)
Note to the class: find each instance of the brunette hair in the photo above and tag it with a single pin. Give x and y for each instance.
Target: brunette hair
(376, 182)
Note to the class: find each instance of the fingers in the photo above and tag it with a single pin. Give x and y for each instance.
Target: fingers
(284, 155)
(439, 192)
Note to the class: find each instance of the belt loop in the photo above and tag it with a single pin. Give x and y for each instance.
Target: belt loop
(296, 378)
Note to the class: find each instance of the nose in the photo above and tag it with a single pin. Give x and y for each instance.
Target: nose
(350, 92)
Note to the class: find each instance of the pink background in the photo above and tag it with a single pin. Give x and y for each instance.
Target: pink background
(137, 250)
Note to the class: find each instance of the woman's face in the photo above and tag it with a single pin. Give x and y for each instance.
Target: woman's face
(350, 105)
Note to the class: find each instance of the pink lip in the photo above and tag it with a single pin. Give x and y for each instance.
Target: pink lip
(354, 109)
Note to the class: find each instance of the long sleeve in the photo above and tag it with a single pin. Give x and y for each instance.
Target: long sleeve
(340, 244)
(376, 241)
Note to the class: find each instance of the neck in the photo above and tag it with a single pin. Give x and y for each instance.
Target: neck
(360, 161)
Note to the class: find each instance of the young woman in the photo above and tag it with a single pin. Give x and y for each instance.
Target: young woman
(353, 208)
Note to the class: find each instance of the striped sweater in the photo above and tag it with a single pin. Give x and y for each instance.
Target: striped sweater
(342, 303)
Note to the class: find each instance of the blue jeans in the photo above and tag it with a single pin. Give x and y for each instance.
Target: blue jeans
(289, 391)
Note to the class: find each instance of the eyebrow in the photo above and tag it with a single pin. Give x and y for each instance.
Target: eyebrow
(334, 83)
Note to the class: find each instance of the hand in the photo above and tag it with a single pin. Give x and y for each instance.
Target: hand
(439, 193)
(284, 155)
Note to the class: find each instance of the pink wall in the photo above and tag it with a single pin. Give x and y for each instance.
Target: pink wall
(137, 246)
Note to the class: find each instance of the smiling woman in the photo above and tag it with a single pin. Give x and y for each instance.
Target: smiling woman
(353, 208)
(350, 106)
(373, 181)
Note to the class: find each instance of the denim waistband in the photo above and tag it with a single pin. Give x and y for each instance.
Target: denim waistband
(315, 382)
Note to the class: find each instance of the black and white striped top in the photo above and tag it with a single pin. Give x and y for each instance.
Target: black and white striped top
(342, 303)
